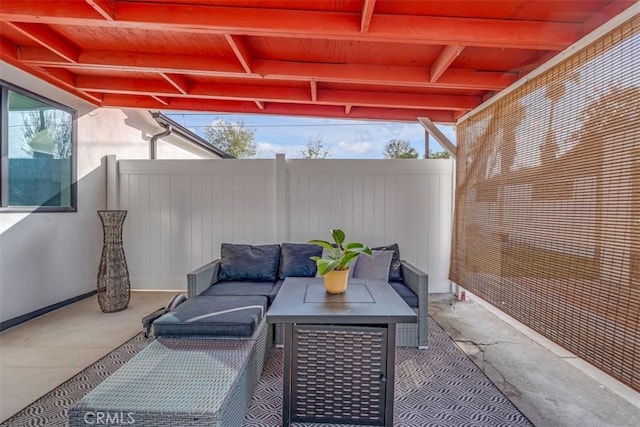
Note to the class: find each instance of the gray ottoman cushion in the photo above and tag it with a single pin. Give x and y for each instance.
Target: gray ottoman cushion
(213, 316)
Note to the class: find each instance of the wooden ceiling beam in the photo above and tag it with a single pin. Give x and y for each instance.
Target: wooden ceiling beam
(259, 104)
(347, 109)
(503, 33)
(125, 86)
(268, 69)
(177, 81)
(241, 50)
(9, 51)
(367, 13)
(249, 93)
(48, 39)
(103, 7)
(279, 94)
(314, 91)
(137, 62)
(398, 100)
(383, 75)
(161, 100)
(308, 110)
(614, 8)
(442, 63)
(67, 80)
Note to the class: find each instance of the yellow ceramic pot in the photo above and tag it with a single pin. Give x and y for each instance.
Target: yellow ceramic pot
(335, 281)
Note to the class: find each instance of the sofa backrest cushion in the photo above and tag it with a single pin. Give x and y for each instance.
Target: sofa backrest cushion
(247, 262)
(373, 267)
(295, 262)
(395, 271)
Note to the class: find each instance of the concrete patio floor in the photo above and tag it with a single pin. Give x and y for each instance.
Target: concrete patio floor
(548, 384)
(551, 386)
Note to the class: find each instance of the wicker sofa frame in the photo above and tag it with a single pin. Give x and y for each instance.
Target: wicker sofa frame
(407, 334)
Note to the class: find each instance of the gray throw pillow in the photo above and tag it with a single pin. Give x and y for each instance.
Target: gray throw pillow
(375, 267)
(395, 271)
(247, 262)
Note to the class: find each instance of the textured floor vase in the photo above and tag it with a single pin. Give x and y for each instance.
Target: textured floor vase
(114, 287)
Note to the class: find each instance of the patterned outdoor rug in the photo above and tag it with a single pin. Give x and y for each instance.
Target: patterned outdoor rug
(437, 387)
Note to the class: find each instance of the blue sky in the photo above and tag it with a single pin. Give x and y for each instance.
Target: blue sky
(346, 139)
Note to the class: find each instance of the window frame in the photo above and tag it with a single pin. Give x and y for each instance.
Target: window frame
(4, 148)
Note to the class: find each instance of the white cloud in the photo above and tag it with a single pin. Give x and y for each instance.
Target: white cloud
(267, 150)
(355, 147)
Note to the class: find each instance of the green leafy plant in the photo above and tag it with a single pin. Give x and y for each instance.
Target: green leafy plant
(339, 254)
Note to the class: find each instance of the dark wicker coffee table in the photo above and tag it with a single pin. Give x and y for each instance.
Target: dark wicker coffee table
(339, 350)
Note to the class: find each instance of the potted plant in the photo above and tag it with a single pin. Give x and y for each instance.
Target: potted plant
(334, 264)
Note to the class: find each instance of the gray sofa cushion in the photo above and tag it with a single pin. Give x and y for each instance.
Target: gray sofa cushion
(395, 271)
(247, 262)
(213, 316)
(373, 267)
(405, 293)
(239, 288)
(295, 262)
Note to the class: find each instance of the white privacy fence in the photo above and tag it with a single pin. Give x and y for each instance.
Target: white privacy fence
(180, 211)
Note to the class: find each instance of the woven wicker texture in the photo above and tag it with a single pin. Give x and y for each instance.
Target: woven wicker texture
(338, 374)
(406, 333)
(181, 382)
(548, 204)
(113, 276)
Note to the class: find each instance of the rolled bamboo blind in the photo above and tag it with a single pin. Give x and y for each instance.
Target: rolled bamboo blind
(547, 210)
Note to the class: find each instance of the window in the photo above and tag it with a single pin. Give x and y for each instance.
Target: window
(38, 153)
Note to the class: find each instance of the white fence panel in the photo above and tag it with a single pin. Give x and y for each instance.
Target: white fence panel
(180, 211)
(377, 202)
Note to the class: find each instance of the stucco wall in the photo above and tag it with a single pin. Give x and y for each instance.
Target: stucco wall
(46, 258)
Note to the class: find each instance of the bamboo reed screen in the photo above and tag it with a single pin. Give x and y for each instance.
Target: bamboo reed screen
(547, 219)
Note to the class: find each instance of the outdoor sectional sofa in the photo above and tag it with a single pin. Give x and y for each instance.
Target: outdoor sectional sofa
(245, 270)
(205, 363)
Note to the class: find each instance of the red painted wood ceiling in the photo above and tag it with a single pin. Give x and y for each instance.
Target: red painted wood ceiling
(374, 59)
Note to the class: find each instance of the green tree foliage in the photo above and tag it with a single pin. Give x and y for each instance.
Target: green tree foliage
(439, 155)
(399, 149)
(315, 148)
(234, 138)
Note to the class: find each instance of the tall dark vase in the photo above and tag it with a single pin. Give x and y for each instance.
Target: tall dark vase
(114, 287)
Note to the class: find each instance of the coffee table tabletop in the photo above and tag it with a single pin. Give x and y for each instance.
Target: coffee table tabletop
(366, 301)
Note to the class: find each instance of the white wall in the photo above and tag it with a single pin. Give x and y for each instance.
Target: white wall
(46, 258)
(181, 211)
